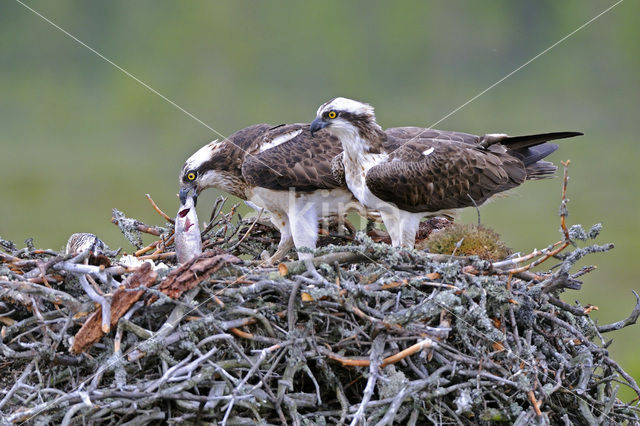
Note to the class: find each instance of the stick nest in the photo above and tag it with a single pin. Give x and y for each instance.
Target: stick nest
(376, 335)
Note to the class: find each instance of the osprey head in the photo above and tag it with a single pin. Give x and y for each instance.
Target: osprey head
(344, 115)
(212, 166)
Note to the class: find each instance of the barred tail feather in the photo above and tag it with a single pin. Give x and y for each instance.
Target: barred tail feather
(531, 150)
(541, 170)
(532, 158)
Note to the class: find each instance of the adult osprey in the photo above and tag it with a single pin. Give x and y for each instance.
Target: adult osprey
(427, 171)
(281, 169)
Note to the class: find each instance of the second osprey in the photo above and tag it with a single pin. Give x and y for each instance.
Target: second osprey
(433, 171)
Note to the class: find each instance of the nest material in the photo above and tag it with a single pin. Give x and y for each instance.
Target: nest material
(467, 239)
(377, 336)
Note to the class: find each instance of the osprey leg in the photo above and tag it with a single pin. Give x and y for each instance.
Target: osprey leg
(402, 227)
(286, 240)
(304, 228)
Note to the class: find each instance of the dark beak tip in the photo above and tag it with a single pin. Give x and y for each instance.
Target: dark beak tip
(316, 125)
(184, 193)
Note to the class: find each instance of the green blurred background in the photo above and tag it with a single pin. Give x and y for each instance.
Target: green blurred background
(78, 137)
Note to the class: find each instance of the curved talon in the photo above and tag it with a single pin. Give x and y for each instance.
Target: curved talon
(283, 249)
(313, 273)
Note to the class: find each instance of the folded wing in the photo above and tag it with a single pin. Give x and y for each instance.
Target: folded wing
(291, 158)
(431, 174)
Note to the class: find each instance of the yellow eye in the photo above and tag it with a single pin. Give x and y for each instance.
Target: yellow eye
(191, 176)
(332, 114)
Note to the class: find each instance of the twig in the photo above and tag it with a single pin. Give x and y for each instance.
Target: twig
(93, 295)
(233, 247)
(375, 361)
(160, 212)
(534, 403)
(298, 266)
(630, 320)
(563, 225)
(17, 384)
(350, 362)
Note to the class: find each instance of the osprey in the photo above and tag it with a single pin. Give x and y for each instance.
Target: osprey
(281, 169)
(408, 173)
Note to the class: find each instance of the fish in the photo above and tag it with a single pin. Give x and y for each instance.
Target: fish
(187, 232)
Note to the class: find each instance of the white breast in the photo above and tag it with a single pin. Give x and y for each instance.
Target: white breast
(355, 172)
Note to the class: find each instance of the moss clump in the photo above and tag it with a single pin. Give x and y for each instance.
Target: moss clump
(476, 240)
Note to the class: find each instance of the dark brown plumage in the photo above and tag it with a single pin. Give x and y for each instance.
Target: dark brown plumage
(301, 162)
(246, 158)
(453, 174)
(261, 164)
(409, 172)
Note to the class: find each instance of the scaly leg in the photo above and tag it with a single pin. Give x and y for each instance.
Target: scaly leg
(304, 229)
(281, 221)
(401, 226)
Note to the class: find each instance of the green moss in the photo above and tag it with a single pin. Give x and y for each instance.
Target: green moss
(476, 240)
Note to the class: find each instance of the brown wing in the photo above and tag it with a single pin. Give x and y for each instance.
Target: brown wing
(398, 136)
(301, 161)
(449, 176)
(530, 149)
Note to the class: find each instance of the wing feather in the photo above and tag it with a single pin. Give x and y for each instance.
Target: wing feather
(450, 176)
(302, 162)
(399, 135)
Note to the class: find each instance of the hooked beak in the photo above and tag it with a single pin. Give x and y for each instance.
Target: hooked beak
(184, 193)
(317, 124)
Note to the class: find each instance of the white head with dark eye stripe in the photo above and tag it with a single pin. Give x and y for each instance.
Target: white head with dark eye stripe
(212, 166)
(349, 106)
(349, 119)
